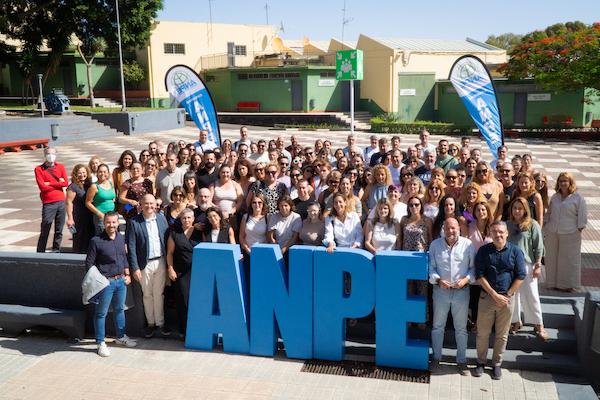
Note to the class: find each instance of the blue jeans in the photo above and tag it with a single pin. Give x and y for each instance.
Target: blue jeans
(115, 294)
(444, 301)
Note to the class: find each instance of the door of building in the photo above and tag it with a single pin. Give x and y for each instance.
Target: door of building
(346, 95)
(297, 98)
(520, 110)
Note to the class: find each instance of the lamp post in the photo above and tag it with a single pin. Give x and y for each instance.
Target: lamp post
(123, 104)
(40, 76)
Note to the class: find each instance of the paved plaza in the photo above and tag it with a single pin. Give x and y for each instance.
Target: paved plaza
(49, 367)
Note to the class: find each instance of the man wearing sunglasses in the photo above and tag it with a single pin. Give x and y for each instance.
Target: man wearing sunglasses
(261, 154)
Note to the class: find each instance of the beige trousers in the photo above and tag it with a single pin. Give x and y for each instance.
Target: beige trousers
(491, 314)
(563, 260)
(154, 277)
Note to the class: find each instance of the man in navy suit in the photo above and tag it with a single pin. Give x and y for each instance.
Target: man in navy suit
(146, 240)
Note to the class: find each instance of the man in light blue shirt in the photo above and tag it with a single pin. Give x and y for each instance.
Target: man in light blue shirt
(451, 269)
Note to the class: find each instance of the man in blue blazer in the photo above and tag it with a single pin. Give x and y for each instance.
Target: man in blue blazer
(146, 241)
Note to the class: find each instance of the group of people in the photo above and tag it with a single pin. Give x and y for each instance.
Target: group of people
(492, 229)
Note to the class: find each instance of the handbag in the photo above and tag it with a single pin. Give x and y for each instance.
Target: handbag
(93, 283)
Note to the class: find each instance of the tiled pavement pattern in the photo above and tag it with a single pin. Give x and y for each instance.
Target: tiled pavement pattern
(48, 368)
(20, 207)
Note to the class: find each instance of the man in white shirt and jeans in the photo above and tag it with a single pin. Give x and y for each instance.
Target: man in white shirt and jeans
(451, 269)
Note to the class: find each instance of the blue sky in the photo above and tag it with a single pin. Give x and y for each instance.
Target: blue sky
(447, 19)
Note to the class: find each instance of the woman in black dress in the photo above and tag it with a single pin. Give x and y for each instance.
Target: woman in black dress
(180, 247)
(79, 218)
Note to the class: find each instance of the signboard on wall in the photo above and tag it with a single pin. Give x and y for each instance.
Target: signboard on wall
(326, 82)
(539, 97)
(408, 92)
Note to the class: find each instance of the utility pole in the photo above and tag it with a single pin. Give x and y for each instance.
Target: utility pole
(267, 11)
(345, 21)
(40, 76)
(123, 103)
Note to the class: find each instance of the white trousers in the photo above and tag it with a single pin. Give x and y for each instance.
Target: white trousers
(527, 300)
(154, 277)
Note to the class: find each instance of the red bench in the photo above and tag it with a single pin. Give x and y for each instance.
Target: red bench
(18, 145)
(554, 120)
(596, 123)
(248, 106)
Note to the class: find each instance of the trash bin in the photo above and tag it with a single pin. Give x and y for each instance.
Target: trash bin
(55, 131)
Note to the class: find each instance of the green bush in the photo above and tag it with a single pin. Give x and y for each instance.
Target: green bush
(390, 123)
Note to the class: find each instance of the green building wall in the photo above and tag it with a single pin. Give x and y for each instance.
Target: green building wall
(591, 106)
(420, 106)
(274, 95)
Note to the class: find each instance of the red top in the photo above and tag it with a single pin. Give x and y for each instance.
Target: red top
(51, 188)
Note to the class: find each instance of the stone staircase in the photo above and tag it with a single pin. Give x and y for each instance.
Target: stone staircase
(527, 352)
(362, 120)
(82, 127)
(106, 103)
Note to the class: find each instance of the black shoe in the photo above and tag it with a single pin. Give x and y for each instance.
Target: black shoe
(478, 371)
(149, 331)
(462, 369)
(497, 373)
(165, 331)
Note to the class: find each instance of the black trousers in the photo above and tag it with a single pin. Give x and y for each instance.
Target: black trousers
(182, 297)
(51, 212)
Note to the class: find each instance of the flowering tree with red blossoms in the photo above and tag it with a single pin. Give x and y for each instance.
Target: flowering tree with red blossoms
(561, 57)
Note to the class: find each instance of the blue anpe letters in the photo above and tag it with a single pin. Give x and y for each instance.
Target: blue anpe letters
(306, 304)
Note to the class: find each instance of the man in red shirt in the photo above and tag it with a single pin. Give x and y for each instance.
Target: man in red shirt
(51, 178)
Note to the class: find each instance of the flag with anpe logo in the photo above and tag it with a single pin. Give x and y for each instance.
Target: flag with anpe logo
(474, 86)
(186, 86)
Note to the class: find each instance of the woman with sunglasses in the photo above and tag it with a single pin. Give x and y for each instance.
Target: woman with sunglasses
(415, 227)
(382, 232)
(132, 191)
(454, 151)
(295, 176)
(353, 175)
(431, 200)
(144, 156)
(326, 196)
(173, 210)
(491, 189)
(525, 233)
(269, 188)
(525, 188)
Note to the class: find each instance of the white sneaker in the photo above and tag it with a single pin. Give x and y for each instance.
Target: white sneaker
(103, 350)
(126, 341)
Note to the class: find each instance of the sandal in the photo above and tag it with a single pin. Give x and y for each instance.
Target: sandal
(515, 327)
(542, 334)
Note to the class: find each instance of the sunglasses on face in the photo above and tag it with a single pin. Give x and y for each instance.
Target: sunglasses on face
(296, 175)
(406, 175)
(414, 205)
(272, 172)
(481, 171)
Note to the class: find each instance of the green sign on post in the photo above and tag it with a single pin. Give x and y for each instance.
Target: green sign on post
(349, 65)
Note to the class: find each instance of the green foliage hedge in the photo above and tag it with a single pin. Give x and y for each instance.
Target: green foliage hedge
(388, 124)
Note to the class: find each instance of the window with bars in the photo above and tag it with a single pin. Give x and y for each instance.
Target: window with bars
(174, 48)
(240, 50)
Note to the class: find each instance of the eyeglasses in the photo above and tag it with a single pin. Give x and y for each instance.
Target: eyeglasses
(261, 145)
(353, 173)
(145, 155)
(462, 175)
(334, 182)
(296, 175)
(481, 171)
(272, 172)
(406, 175)
(414, 205)
(178, 195)
(540, 181)
(309, 153)
(284, 164)
(151, 165)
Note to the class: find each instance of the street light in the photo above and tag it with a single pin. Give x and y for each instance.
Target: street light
(40, 76)
(123, 104)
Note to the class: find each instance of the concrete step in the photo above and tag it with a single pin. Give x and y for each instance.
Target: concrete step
(530, 361)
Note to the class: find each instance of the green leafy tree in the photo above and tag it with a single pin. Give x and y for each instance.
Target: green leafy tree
(561, 57)
(133, 73)
(93, 22)
(506, 41)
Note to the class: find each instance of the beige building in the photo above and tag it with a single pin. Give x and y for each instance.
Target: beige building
(392, 67)
(200, 46)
